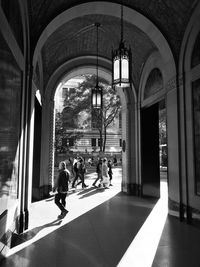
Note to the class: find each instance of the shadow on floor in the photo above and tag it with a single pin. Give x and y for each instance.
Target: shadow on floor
(179, 244)
(98, 238)
(28, 235)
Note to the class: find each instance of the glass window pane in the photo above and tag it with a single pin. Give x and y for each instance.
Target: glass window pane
(94, 99)
(125, 69)
(98, 100)
(116, 69)
(10, 102)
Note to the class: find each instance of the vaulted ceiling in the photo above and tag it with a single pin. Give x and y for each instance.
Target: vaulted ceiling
(77, 37)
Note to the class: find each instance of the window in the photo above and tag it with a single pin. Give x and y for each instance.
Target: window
(120, 142)
(67, 142)
(71, 142)
(10, 130)
(93, 141)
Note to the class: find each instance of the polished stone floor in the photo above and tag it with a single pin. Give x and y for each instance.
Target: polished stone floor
(105, 228)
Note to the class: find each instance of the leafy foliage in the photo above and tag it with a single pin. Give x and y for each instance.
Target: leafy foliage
(78, 113)
(162, 127)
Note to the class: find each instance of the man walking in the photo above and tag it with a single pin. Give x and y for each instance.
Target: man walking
(61, 186)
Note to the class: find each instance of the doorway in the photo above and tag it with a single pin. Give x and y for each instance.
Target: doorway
(150, 165)
(154, 156)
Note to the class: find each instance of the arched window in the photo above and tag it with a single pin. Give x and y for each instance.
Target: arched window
(154, 83)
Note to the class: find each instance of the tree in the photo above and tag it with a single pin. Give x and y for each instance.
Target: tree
(77, 112)
(104, 118)
(162, 126)
(62, 136)
(58, 132)
(111, 107)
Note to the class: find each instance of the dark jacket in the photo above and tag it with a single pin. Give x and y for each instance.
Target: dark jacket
(109, 168)
(63, 180)
(99, 166)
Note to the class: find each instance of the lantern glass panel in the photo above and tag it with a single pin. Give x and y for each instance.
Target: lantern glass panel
(125, 69)
(98, 103)
(93, 98)
(116, 68)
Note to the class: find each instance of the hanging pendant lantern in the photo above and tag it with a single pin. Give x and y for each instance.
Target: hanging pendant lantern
(97, 93)
(97, 97)
(121, 62)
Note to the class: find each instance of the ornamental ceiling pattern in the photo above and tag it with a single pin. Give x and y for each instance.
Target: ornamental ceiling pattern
(77, 37)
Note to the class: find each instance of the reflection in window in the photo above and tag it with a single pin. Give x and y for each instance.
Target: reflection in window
(10, 97)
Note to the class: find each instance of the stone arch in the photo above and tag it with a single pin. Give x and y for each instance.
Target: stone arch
(110, 9)
(64, 73)
(189, 76)
(76, 66)
(188, 42)
(130, 103)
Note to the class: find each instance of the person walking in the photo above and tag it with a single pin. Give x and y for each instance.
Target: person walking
(81, 172)
(110, 173)
(61, 186)
(99, 172)
(75, 170)
(79, 168)
(105, 179)
(115, 160)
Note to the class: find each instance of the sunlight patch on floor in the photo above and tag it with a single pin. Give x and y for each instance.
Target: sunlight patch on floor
(142, 250)
(44, 214)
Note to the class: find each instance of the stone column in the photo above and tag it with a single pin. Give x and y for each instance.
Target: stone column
(173, 127)
(47, 149)
(129, 145)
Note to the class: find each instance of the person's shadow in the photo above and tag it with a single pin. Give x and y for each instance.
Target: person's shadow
(19, 239)
(91, 192)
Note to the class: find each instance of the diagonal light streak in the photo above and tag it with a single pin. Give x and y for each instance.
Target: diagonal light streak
(142, 250)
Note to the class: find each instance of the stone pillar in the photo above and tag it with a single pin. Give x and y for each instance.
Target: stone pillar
(125, 150)
(51, 144)
(174, 179)
(129, 145)
(46, 149)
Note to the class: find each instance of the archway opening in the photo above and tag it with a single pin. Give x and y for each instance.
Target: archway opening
(78, 132)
